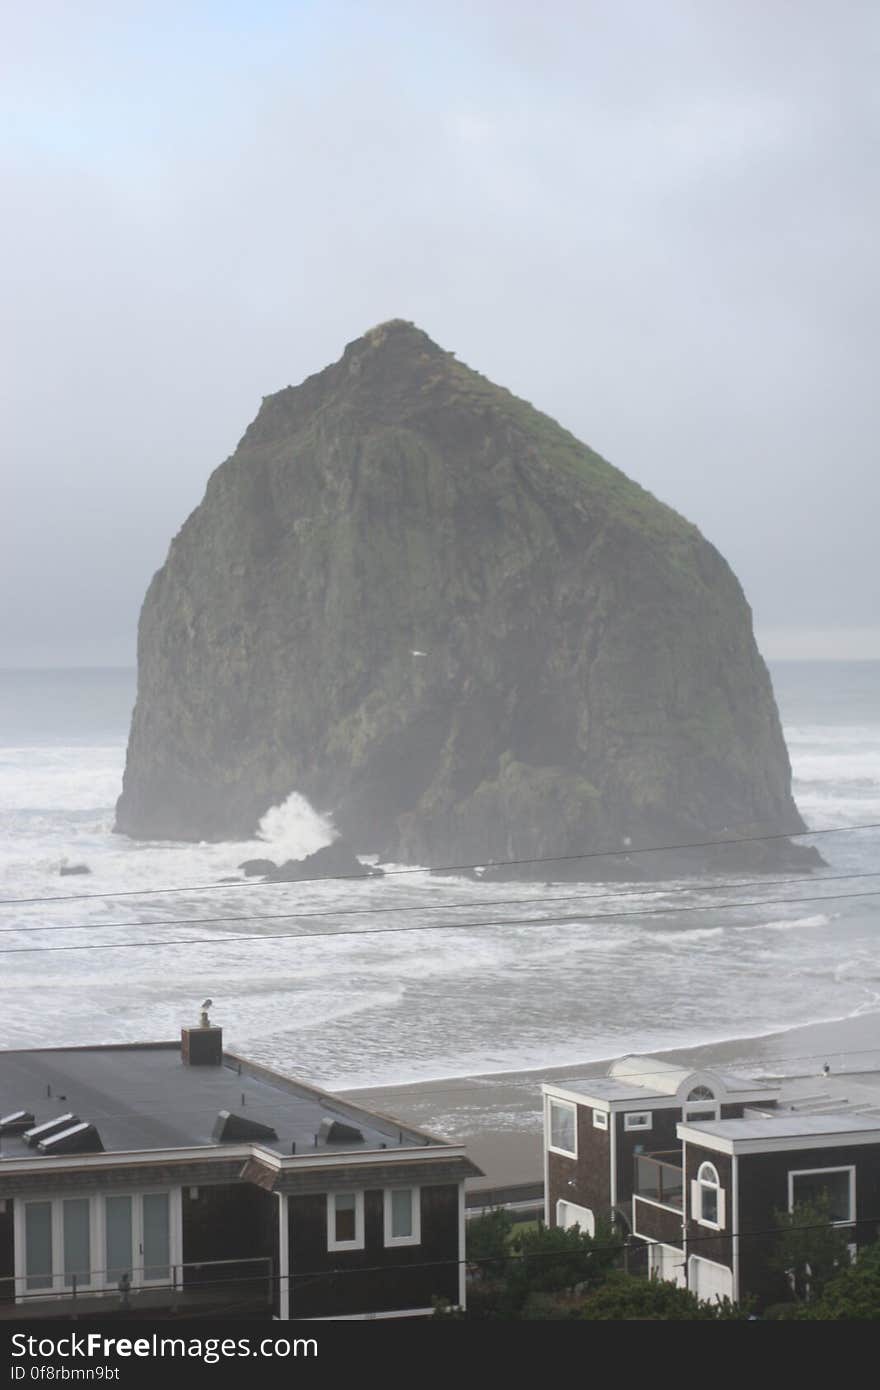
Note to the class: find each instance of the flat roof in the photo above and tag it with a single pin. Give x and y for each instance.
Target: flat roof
(144, 1097)
(786, 1124)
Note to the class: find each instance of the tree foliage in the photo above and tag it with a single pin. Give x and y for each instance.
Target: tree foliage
(629, 1297)
(852, 1293)
(810, 1249)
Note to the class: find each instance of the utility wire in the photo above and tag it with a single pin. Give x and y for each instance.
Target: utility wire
(430, 926)
(473, 904)
(630, 1244)
(450, 868)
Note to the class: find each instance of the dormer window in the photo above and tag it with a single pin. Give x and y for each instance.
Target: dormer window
(700, 1106)
(707, 1198)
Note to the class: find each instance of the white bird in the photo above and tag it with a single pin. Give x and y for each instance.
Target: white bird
(418, 653)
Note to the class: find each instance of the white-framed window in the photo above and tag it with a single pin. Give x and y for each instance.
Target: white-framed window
(638, 1119)
(345, 1220)
(569, 1214)
(562, 1125)
(403, 1216)
(600, 1119)
(700, 1105)
(89, 1241)
(708, 1198)
(837, 1185)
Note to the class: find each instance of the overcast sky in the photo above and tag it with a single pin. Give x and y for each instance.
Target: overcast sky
(655, 219)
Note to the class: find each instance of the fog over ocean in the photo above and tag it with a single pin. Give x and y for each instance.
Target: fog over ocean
(365, 1010)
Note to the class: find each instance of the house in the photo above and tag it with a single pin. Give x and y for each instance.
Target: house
(693, 1164)
(177, 1177)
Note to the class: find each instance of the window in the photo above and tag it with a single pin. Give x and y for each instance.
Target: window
(38, 1244)
(637, 1119)
(345, 1221)
(600, 1119)
(700, 1105)
(837, 1186)
(90, 1242)
(77, 1221)
(563, 1128)
(402, 1216)
(707, 1198)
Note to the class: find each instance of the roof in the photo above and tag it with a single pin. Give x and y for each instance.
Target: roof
(144, 1097)
(785, 1124)
(646, 1079)
(666, 1078)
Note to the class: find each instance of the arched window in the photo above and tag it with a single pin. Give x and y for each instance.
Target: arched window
(700, 1105)
(707, 1197)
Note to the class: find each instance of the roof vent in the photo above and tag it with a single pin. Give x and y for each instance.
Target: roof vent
(229, 1128)
(33, 1136)
(16, 1122)
(335, 1132)
(80, 1138)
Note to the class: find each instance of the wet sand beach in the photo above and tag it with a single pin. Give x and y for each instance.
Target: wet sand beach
(498, 1115)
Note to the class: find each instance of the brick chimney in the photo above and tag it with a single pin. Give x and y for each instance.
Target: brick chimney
(202, 1046)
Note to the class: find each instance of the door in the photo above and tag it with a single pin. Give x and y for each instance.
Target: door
(569, 1214)
(665, 1262)
(709, 1280)
(138, 1238)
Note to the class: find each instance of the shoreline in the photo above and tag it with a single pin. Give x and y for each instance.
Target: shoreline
(497, 1115)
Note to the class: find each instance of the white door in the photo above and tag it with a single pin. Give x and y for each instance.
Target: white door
(570, 1214)
(709, 1280)
(665, 1262)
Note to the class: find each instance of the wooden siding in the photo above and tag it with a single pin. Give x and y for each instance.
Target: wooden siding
(656, 1223)
(586, 1179)
(377, 1279)
(763, 1186)
(229, 1222)
(661, 1136)
(702, 1240)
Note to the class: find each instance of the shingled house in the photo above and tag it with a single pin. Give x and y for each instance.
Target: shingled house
(694, 1164)
(173, 1177)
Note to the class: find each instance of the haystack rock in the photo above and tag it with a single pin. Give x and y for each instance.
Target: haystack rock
(416, 600)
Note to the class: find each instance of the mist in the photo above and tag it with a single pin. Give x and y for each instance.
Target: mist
(657, 223)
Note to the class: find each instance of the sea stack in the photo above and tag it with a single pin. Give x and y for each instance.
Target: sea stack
(427, 607)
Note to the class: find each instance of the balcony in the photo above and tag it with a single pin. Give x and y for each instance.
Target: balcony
(212, 1288)
(657, 1179)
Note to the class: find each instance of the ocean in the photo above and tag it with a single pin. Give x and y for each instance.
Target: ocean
(678, 969)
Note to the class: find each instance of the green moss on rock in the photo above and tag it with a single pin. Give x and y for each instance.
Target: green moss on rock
(426, 606)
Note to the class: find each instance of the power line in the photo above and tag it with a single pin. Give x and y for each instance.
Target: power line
(474, 905)
(440, 926)
(448, 868)
(627, 1243)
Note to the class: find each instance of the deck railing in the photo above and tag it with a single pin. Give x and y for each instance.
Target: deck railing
(224, 1284)
(659, 1180)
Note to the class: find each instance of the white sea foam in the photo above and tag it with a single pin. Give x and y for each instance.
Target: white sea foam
(364, 1009)
(294, 829)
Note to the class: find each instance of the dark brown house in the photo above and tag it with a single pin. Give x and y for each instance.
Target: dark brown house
(176, 1177)
(694, 1164)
